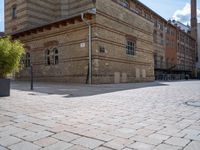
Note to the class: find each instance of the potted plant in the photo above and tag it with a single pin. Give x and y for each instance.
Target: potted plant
(10, 55)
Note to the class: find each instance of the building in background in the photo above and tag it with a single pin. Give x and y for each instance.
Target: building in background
(130, 42)
(174, 46)
(56, 39)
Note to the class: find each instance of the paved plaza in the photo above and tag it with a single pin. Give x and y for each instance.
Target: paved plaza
(140, 116)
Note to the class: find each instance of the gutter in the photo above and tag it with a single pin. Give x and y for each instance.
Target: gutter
(92, 11)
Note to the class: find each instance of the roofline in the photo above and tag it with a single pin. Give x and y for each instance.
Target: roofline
(90, 12)
(137, 1)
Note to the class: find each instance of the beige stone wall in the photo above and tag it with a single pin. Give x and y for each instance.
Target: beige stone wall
(42, 12)
(113, 23)
(73, 60)
(110, 26)
(71, 7)
(33, 13)
(12, 25)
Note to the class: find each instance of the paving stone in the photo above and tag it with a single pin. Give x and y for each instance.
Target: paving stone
(78, 147)
(88, 142)
(194, 145)
(141, 146)
(167, 147)
(24, 146)
(177, 141)
(104, 137)
(127, 131)
(23, 125)
(58, 146)
(37, 136)
(102, 148)
(144, 132)
(66, 136)
(169, 131)
(23, 134)
(120, 134)
(59, 128)
(117, 116)
(9, 140)
(3, 148)
(9, 130)
(154, 127)
(36, 128)
(147, 140)
(118, 143)
(159, 136)
(46, 142)
(4, 124)
(193, 137)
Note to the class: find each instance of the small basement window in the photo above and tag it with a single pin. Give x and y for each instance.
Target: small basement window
(102, 49)
(14, 12)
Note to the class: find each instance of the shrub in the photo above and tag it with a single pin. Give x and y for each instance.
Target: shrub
(11, 53)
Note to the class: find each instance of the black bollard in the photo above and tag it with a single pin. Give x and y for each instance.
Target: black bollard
(31, 77)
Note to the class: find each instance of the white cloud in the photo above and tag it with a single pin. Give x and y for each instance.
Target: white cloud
(183, 15)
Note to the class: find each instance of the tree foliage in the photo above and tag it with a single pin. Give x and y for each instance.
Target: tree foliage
(11, 53)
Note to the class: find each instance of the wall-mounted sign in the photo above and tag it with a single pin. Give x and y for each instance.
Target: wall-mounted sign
(82, 45)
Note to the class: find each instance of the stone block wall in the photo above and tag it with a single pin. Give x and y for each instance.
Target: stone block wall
(113, 24)
(73, 60)
(34, 13)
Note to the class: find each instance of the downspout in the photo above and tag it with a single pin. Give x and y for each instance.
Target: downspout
(89, 48)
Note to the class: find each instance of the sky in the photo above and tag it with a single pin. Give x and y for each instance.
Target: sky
(1, 15)
(173, 9)
(169, 9)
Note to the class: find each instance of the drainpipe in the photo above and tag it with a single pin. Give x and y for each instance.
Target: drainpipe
(89, 48)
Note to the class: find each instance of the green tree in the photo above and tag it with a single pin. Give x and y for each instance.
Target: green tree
(11, 53)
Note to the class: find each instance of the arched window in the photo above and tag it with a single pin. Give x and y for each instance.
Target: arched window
(28, 60)
(55, 56)
(47, 57)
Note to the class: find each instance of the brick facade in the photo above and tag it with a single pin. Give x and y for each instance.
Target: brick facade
(110, 61)
(129, 41)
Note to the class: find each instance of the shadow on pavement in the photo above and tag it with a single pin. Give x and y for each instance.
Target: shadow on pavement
(78, 90)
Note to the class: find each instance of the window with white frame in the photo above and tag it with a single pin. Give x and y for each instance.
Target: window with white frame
(130, 46)
(51, 56)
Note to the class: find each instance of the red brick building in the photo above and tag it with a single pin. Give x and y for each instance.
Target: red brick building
(174, 48)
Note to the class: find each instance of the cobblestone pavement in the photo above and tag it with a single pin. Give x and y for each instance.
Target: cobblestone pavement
(101, 117)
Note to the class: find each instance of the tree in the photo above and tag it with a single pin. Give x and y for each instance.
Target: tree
(11, 53)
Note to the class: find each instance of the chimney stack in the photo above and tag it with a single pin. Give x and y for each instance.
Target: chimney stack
(194, 19)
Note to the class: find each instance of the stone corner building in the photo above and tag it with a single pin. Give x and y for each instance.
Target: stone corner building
(57, 42)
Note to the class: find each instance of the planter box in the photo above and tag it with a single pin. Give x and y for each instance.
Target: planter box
(4, 87)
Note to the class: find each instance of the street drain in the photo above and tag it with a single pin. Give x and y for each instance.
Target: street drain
(193, 103)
